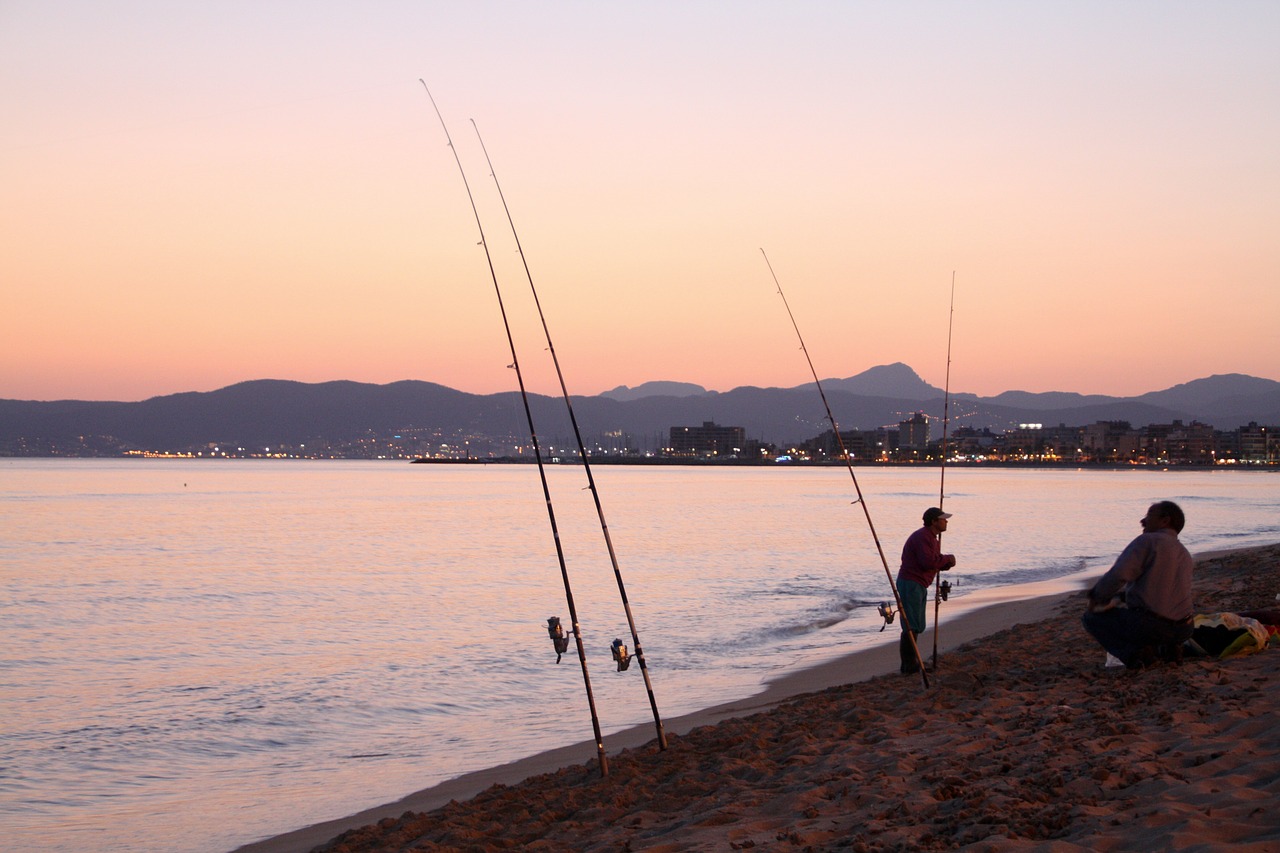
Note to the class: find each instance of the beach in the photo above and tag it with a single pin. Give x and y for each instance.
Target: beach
(1022, 741)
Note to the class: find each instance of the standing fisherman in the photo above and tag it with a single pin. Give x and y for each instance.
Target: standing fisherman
(922, 559)
(909, 642)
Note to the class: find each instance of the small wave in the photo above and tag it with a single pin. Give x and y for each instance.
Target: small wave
(840, 611)
(858, 603)
(1031, 574)
(817, 624)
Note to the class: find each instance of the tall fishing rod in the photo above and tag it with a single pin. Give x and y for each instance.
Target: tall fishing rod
(537, 451)
(942, 478)
(849, 464)
(582, 452)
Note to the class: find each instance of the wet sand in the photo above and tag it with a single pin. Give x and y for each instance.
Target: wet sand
(1023, 741)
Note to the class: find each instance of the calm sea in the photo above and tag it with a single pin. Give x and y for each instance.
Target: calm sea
(199, 654)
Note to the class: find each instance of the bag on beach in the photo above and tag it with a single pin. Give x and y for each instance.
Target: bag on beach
(1227, 635)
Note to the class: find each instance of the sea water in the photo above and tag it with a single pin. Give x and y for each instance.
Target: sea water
(198, 654)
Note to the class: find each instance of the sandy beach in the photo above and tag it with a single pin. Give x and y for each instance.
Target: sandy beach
(1023, 741)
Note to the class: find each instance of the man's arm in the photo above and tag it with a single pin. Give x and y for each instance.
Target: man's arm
(1128, 567)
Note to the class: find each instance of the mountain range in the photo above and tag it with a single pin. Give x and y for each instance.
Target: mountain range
(267, 412)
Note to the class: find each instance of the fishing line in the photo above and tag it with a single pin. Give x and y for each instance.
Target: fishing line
(849, 465)
(618, 649)
(537, 451)
(942, 478)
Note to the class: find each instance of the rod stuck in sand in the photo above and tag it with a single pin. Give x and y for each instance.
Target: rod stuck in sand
(537, 451)
(849, 465)
(586, 465)
(942, 476)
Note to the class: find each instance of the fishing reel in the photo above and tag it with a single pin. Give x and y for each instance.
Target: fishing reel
(944, 589)
(559, 638)
(620, 655)
(886, 613)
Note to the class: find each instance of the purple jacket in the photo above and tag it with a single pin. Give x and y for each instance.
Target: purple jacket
(922, 557)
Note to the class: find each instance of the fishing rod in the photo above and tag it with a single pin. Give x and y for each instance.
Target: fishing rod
(942, 478)
(915, 648)
(537, 454)
(619, 650)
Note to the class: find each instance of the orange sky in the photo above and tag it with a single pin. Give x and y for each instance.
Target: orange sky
(201, 195)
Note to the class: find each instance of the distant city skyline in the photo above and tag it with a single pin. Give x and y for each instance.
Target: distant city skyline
(202, 195)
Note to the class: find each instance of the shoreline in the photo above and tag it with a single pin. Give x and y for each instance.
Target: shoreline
(987, 646)
(977, 621)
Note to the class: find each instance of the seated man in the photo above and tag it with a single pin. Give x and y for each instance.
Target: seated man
(1153, 575)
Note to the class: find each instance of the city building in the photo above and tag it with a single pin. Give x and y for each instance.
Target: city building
(709, 439)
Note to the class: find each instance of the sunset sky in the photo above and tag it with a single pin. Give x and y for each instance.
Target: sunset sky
(201, 194)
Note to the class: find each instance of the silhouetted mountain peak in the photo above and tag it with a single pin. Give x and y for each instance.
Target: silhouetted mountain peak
(886, 380)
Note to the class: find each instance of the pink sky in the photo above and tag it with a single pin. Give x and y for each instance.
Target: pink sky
(197, 195)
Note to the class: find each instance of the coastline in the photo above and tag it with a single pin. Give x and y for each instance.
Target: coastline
(858, 666)
(981, 632)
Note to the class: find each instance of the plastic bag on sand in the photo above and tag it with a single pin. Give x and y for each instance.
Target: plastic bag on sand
(1247, 635)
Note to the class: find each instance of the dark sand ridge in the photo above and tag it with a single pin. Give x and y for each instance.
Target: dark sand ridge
(1022, 739)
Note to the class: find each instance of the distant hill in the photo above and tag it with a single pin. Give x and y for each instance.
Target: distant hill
(1230, 397)
(623, 394)
(1225, 400)
(897, 381)
(1048, 400)
(258, 414)
(888, 380)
